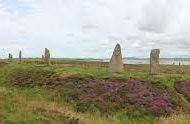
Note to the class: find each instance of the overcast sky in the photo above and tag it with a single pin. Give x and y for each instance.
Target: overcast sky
(91, 28)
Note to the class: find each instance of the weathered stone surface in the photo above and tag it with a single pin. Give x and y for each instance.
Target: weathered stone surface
(20, 56)
(10, 57)
(116, 63)
(47, 57)
(154, 61)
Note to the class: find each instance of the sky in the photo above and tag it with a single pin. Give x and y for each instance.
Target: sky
(92, 28)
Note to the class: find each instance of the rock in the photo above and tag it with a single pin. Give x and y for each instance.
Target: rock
(20, 56)
(154, 61)
(47, 57)
(10, 57)
(116, 64)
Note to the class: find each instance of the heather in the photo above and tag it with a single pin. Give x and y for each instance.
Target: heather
(94, 95)
(183, 87)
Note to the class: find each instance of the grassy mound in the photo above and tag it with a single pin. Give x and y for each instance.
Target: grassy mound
(39, 94)
(104, 95)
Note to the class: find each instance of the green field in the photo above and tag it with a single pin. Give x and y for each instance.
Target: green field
(40, 104)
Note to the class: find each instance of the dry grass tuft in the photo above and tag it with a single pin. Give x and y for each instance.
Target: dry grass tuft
(175, 119)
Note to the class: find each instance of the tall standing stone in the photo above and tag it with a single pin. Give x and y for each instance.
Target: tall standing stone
(20, 56)
(116, 62)
(10, 57)
(154, 61)
(47, 57)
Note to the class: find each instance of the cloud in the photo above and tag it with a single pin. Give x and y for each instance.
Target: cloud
(158, 15)
(88, 28)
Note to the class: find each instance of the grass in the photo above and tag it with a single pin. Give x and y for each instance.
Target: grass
(38, 105)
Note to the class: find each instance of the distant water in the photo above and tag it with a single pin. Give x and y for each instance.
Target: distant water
(147, 61)
(169, 62)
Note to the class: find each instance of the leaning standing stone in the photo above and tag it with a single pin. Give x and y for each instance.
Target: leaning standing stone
(47, 56)
(116, 63)
(154, 61)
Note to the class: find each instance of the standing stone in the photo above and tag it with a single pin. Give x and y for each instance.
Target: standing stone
(47, 56)
(10, 57)
(116, 63)
(43, 58)
(20, 56)
(154, 61)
